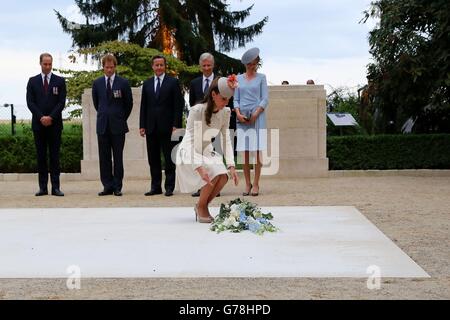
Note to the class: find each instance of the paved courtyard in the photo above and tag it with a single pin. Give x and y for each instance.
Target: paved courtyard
(413, 212)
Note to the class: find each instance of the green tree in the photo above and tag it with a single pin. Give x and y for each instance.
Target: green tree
(134, 65)
(410, 75)
(189, 27)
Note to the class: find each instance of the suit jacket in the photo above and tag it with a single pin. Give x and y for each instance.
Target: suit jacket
(113, 110)
(196, 96)
(164, 113)
(50, 104)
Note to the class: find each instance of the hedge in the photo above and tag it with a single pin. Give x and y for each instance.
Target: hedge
(382, 152)
(18, 154)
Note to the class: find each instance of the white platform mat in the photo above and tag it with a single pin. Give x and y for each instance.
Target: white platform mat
(166, 242)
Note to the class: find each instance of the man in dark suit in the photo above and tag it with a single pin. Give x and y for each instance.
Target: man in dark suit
(199, 86)
(161, 114)
(46, 98)
(113, 101)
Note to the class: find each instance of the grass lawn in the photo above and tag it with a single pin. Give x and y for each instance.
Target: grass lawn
(23, 127)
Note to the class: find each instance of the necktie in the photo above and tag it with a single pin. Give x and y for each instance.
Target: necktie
(206, 86)
(108, 88)
(158, 88)
(45, 84)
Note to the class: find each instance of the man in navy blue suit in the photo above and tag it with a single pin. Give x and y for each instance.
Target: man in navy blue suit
(199, 86)
(46, 98)
(161, 114)
(113, 101)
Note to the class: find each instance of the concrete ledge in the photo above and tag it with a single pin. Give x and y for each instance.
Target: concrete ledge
(34, 176)
(27, 177)
(133, 170)
(9, 177)
(5, 177)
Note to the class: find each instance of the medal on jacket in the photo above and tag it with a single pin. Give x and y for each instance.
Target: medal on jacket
(117, 94)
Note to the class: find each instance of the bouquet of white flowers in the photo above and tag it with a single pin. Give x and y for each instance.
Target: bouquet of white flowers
(239, 215)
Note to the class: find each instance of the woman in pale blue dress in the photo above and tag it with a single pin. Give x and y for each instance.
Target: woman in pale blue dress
(250, 102)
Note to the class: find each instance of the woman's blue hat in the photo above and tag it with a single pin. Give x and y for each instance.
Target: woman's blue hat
(250, 55)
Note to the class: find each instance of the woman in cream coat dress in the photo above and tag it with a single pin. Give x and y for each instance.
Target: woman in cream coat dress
(198, 165)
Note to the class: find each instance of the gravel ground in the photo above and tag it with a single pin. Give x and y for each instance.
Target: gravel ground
(414, 212)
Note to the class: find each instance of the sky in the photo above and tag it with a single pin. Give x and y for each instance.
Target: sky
(320, 40)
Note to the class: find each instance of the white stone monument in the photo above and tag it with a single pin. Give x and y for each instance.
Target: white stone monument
(299, 112)
(296, 115)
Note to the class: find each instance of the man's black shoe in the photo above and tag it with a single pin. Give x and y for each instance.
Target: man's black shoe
(105, 193)
(118, 193)
(153, 192)
(168, 193)
(197, 194)
(41, 193)
(57, 192)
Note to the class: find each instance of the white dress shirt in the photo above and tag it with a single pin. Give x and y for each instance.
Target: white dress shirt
(161, 79)
(49, 76)
(112, 80)
(210, 79)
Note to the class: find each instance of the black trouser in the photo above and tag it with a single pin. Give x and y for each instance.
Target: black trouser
(48, 138)
(157, 142)
(111, 179)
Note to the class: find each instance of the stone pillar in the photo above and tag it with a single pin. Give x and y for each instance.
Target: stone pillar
(298, 112)
(135, 152)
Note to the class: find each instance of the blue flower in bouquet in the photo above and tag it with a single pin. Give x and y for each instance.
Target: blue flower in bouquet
(254, 227)
(240, 215)
(262, 220)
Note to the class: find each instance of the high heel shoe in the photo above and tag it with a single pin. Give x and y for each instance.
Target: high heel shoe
(248, 192)
(255, 194)
(201, 219)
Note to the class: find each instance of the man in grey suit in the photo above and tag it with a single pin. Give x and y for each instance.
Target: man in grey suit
(113, 101)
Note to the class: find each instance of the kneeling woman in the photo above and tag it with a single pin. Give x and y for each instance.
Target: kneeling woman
(198, 165)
